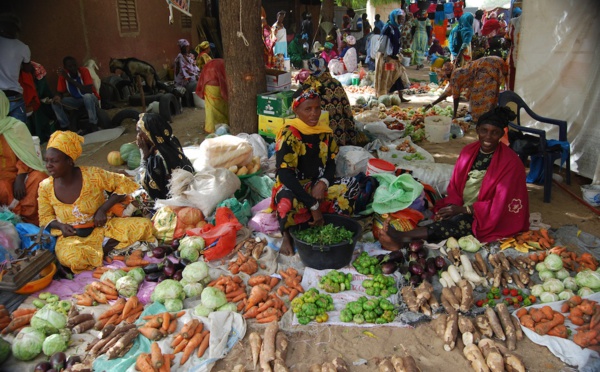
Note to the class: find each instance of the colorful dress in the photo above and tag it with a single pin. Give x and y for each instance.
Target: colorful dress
(302, 160)
(406, 35)
(212, 88)
(268, 44)
(187, 69)
(85, 253)
(482, 78)
(420, 40)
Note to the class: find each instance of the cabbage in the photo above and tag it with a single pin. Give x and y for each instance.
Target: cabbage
(48, 321)
(545, 275)
(565, 295)
(588, 278)
(113, 275)
(537, 290)
(201, 310)
(55, 344)
(540, 266)
(570, 283)
(196, 242)
(138, 274)
(548, 297)
(168, 289)
(173, 304)
(28, 343)
(195, 272)
(230, 306)
(562, 274)
(127, 286)
(469, 243)
(584, 291)
(553, 285)
(553, 262)
(190, 254)
(212, 298)
(193, 290)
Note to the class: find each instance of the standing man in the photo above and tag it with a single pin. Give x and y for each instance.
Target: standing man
(75, 89)
(378, 22)
(14, 56)
(280, 35)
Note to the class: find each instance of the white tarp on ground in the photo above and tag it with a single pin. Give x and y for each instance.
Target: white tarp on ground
(558, 73)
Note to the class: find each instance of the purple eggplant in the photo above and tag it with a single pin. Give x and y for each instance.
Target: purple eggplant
(440, 262)
(421, 261)
(431, 269)
(413, 256)
(161, 278)
(382, 257)
(415, 280)
(415, 268)
(396, 256)
(426, 275)
(389, 267)
(43, 367)
(58, 360)
(422, 252)
(72, 360)
(403, 269)
(178, 275)
(153, 277)
(415, 245)
(175, 244)
(169, 268)
(161, 251)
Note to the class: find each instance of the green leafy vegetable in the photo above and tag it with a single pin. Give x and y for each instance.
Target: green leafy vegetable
(324, 235)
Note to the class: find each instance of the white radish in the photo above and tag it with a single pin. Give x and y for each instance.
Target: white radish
(454, 274)
(448, 279)
(469, 273)
(443, 283)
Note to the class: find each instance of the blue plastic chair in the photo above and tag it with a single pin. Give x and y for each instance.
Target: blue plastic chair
(547, 153)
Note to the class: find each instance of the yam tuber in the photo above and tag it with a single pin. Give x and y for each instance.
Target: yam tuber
(255, 343)
(457, 293)
(385, 366)
(495, 323)
(340, 364)
(451, 332)
(466, 299)
(433, 303)
(281, 346)
(439, 324)
(410, 299)
(507, 325)
(473, 355)
(267, 353)
(518, 330)
(449, 296)
(328, 367)
(481, 263)
(513, 363)
(279, 366)
(503, 261)
(517, 280)
(483, 325)
(423, 293)
(491, 354)
(465, 325)
(497, 276)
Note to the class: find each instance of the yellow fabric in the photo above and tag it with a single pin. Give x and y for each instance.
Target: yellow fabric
(78, 253)
(68, 142)
(202, 59)
(321, 127)
(217, 110)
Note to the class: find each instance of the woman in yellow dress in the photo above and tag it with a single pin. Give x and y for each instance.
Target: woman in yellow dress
(73, 203)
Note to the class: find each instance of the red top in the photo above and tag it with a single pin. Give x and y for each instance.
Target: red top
(86, 79)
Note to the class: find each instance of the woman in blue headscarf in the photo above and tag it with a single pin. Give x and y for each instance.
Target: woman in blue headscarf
(460, 39)
(390, 75)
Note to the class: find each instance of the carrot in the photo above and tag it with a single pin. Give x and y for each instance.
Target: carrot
(269, 319)
(156, 355)
(108, 259)
(548, 312)
(18, 322)
(527, 321)
(544, 233)
(181, 346)
(533, 257)
(142, 363)
(574, 301)
(136, 258)
(536, 314)
(240, 306)
(559, 331)
(116, 308)
(23, 311)
(595, 320)
(543, 328)
(577, 320)
(238, 298)
(179, 314)
(587, 307)
(154, 323)
(251, 313)
(274, 282)
(188, 330)
(135, 315)
(166, 322)
(177, 340)
(564, 308)
(190, 347)
(151, 333)
(267, 313)
(131, 303)
(265, 305)
(293, 293)
(203, 345)
(96, 295)
(522, 311)
(172, 326)
(585, 338)
(114, 319)
(166, 367)
(97, 275)
(119, 258)
(235, 293)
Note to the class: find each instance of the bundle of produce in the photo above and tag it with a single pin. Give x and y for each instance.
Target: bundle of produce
(571, 260)
(263, 305)
(335, 281)
(365, 310)
(529, 240)
(312, 305)
(190, 248)
(79, 323)
(398, 364)
(421, 299)
(122, 310)
(380, 285)
(244, 263)
(489, 356)
(291, 283)
(454, 274)
(113, 341)
(213, 299)
(192, 337)
(367, 265)
(155, 361)
(169, 293)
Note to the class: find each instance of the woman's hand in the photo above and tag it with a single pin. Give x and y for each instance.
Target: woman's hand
(143, 145)
(317, 218)
(100, 218)
(19, 186)
(450, 211)
(67, 230)
(318, 191)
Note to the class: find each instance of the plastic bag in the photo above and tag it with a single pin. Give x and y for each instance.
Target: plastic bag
(240, 210)
(25, 229)
(219, 239)
(259, 145)
(9, 240)
(263, 222)
(223, 152)
(378, 130)
(351, 160)
(169, 226)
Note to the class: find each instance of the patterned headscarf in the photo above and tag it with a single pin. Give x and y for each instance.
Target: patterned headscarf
(328, 45)
(317, 66)
(182, 43)
(67, 142)
(308, 93)
(350, 40)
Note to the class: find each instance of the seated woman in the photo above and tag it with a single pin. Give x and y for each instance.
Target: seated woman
(72, 200)
(305, 154)
(328, 53)
(186, 71)
(21, 170)
(487, 194)
(161, 153)
(348, 61)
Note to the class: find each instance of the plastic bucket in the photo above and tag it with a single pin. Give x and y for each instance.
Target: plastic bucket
(355, 79)
(328, 257)
(433, 77)
(437, 128)
(591, 194)
(405, 61)
(198, 102)
(375, 166)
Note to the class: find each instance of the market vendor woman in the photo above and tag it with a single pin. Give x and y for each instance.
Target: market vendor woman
(487, 194)
(73, 202)
(305, 159)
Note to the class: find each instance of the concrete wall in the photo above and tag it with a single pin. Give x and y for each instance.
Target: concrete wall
(90, 29)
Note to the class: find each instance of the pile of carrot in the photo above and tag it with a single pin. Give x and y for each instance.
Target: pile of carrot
(192, 336)
(540, 237)
(571, 260)
(122, 310)
(160, 325)
(544, 321)
(270, 309)
(244, 263)
(155, 361)
(234, 289)
(291, 283)
(98, 292)
(18, 320)
(586, 315)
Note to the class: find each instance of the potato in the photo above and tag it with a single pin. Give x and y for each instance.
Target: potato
(242, 171)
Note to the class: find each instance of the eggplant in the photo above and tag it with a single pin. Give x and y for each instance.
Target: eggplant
(440, 262)
(161, 251)
(161, 278)
(58, 360)
(403, 269)
(178, 275)
(396, 256)
(431, 269)
(388, 267)
(422, 252)
(153, 268)
(169, 268)
(423, 262)
(415, 280)
(413, 256)
(415, 245)
(52, 370)
(176, 254)
(382, 257)
(43, 367)
(415, 268)
(153, 277)
(72, 360)
(426, 275)
(175, 244)
(184, 262)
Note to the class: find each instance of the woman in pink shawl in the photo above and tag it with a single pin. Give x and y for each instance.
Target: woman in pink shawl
(487, 194)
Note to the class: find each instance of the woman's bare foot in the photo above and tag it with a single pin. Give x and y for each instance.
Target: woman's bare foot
(286, 246)
(387, 242)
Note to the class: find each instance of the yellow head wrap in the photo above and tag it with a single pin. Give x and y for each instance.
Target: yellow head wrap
(68, 142)
(204, 45)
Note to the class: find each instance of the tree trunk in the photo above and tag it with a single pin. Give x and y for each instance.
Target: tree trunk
(244, 64)
(327, 8)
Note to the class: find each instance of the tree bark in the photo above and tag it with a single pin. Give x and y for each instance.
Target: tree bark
(327, 10)
(244, 64)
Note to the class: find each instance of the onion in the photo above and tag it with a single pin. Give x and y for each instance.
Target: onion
(415, 245)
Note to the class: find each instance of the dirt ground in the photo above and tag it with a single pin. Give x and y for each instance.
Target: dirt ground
(322, 343)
